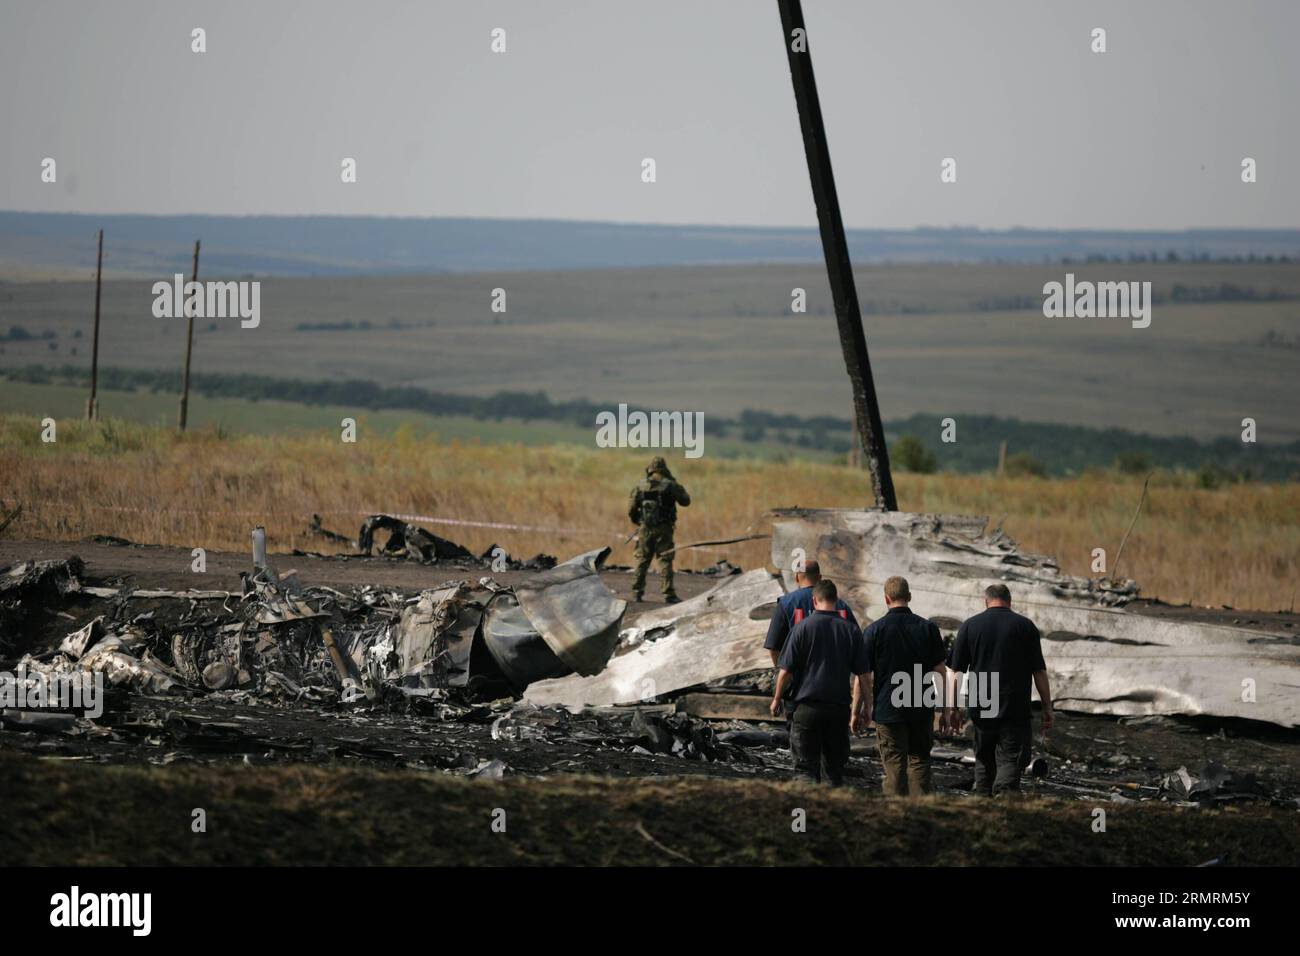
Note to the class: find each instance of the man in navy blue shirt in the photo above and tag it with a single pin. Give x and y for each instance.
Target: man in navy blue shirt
(797, 605)
(822, 656)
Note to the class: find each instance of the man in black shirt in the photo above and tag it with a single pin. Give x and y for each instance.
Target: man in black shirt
(823, 654)
(1002, 651)
(903, 649)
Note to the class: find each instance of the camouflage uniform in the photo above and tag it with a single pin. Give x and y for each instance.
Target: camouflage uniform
(653, 506)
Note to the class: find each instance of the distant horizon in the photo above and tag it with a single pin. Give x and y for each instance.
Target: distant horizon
(651, 224)
(52, 244)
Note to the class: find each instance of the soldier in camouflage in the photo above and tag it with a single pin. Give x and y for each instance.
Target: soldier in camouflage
(653, 508)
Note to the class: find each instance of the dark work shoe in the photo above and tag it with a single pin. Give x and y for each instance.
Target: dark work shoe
(637, 596)
(672, 599)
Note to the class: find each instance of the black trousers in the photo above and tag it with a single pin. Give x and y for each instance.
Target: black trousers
(819, 736)
(1001, 753)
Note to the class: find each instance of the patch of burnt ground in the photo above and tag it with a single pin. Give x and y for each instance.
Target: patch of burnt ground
(61, 813)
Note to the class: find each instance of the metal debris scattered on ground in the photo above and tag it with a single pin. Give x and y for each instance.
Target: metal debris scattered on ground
(28, 590)
(419, 544)
(483, 679)
(459, 642)
(712, 636)
(1213, 783)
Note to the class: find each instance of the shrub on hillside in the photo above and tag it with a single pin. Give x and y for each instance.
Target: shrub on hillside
(1133, 463)
(909, 454)
(1024, 465)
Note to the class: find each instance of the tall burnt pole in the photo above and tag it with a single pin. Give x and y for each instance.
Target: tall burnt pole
(92, 403)
(183, 413)
(848, 314)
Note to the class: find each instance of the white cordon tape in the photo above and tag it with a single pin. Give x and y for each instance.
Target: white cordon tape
(427, 519)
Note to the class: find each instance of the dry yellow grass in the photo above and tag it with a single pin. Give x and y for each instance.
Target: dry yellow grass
(1238, 546)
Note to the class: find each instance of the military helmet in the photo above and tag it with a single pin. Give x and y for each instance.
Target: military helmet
(658, 464)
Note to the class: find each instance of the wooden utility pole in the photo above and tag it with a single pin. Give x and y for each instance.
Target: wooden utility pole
(189, 344)
(1002, 458)
(855, 445)
(848, 314)
(92, 403)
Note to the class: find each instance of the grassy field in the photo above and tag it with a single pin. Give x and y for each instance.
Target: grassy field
(945, 339)
(227, 415)
(329, 816)
(1237, 546)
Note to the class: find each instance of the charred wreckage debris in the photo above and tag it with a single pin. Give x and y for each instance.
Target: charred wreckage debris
(280, 640)
(420, 544)
(431, 680)
(481, 678)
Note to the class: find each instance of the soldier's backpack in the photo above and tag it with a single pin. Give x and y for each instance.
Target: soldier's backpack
(653, 509)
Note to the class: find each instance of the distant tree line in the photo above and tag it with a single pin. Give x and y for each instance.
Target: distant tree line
(18, 333)
(1034, 448)
(361, 325)
(1172, 255)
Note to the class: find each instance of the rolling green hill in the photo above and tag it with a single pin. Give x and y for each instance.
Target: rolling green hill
(262, 405)
(946, 340)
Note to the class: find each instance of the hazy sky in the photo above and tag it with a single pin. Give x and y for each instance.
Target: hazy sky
(1045, 132)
